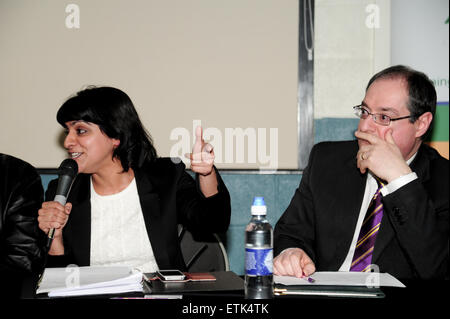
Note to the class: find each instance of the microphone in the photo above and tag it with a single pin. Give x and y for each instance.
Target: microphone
(67, 172)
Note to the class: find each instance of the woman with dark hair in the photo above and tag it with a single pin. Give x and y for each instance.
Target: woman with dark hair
(126, 203)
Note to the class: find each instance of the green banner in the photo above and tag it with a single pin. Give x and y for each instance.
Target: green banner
(441, 121)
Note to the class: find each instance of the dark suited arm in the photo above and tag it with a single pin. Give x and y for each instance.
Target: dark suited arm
(22, 242)
(421, 224)
(295, 228)
(198, 213)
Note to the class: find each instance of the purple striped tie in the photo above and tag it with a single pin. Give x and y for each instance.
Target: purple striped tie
(362, 259)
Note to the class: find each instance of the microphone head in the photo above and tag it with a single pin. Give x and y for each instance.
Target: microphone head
(68, 167)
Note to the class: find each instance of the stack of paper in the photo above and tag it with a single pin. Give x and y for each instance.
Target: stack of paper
(342, 278)
(95, 280)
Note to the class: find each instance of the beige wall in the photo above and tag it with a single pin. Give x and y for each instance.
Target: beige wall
(231, 64)
(352, 44)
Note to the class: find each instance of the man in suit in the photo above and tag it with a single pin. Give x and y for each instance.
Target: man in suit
(323, 227)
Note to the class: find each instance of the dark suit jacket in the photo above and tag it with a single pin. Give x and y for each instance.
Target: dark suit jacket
(413, 239)
(21, 194)
(22, 243)
(168, 196)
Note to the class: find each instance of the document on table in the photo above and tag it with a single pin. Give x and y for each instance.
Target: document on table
(342, 278)
(92, 280)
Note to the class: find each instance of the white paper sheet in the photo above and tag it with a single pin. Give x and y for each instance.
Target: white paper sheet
(342, 278)
(78, 281)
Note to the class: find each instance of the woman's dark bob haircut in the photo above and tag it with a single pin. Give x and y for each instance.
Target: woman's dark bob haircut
(112, 110)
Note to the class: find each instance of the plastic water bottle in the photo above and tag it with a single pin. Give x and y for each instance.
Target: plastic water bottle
(258, 253)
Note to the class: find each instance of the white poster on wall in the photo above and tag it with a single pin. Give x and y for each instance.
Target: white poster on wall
(420, 39)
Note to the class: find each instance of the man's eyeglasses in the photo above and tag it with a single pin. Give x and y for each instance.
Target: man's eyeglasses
(381, 119)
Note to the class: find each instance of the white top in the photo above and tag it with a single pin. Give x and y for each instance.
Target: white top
(371, 188)
(118, 233)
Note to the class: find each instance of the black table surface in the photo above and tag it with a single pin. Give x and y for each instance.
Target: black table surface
(419, 295)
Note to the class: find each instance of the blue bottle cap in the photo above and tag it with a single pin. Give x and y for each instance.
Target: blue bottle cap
(258, 201)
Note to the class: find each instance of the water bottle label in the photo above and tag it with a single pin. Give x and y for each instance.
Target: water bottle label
(258, 262)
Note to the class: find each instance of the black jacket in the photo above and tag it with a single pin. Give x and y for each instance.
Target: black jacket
(168, 196)
(21, 241)
(413, 239)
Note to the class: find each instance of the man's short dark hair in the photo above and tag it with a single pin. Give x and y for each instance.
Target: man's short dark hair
(421, 91)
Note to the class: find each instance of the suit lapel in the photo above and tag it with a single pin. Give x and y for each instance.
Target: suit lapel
(421, 164)
(151, 209)
(80, 220)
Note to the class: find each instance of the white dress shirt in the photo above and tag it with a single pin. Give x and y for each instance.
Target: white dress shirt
(118, 233)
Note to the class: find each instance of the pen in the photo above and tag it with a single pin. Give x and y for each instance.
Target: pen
(309, 279)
